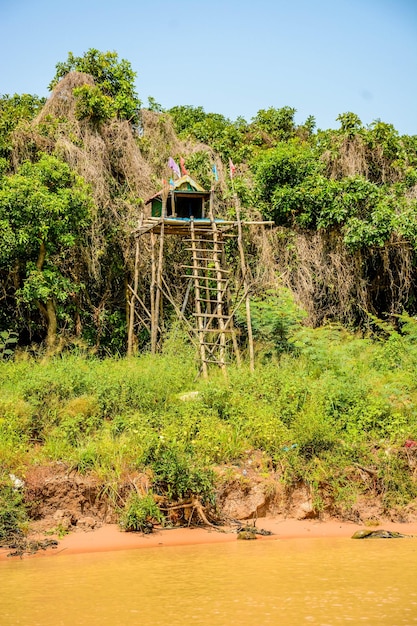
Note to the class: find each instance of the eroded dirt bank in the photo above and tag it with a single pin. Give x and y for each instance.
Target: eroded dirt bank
(81, 511)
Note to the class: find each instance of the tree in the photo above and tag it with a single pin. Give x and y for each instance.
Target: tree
(278, 123)
(114, 91)
(13, 109)
(284, 167)
(44, 209)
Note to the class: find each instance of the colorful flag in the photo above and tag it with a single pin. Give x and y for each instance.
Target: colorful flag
(174, 167)
(171, 183)
(214, 170)
(232, 168)
(183, 170)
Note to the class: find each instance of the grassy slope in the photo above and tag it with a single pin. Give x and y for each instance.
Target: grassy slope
(336, 404)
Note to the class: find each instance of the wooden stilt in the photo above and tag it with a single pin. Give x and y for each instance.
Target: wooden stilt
(245, 279)
(158, 294)
(154, 321)
(135, 292)
(132, 301)
(219, 278)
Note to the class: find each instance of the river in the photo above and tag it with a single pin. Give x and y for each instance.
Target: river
(288, 582)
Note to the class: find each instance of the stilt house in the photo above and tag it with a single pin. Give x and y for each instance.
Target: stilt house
(211, 291)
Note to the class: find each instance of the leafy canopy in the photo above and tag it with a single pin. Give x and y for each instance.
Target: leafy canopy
(13, 109)
(44, 209)
(114, 93)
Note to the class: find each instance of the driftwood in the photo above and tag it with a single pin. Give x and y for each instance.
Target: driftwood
(22, 546)
(189, 507)
(378, 534)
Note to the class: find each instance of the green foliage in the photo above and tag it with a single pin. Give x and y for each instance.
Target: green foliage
(396, 484)
(153, 105)
(8, 338)
(277, 123)
(13, 110)
(79, 417)
(44, 210)
(224, 136)
(177, 473)
(274, 317)
(350, 123)
(114, 93)
(285, 166)
(334, 401)
(12, 513)
(140, 513)
(199, 165)
(185, 117)
(92, 104)
(43, 202)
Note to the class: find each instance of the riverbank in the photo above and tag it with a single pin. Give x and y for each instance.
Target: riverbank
(110, 538)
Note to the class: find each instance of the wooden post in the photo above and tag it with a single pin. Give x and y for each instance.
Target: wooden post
(154, 323)
(231, 323)
(165, 194)
(133, 296)
(133, 301)
(245, 284)
(220, 290)
(173, 204)
(158, 294)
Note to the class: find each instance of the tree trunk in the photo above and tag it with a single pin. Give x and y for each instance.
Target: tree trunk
(49, 309)
(52, 324)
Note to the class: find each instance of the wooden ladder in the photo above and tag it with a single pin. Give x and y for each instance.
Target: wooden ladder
(214, 323)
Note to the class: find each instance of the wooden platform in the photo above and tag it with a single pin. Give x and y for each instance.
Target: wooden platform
(181, 225)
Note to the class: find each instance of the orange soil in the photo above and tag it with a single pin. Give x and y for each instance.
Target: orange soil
(109, 537)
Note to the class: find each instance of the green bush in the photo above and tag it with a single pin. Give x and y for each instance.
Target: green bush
(140, 513)
(178, 474)
(12, 513)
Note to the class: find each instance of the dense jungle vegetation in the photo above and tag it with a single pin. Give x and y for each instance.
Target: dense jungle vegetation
(333, 296)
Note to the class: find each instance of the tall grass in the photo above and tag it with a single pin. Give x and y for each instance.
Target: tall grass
(336, 402)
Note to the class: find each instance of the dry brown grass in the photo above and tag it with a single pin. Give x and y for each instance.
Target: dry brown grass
(347, 159)
(333, 284)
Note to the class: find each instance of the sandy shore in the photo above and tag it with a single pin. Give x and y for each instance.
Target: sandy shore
(110, 538)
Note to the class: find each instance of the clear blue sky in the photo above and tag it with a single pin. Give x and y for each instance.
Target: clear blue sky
(322, 57)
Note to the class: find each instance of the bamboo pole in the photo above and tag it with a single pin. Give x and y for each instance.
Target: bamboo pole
(158, 294)
(133, 301)
(245, 283)
(186, 297)
(232, 325)
(154, 323)
(135, 294)
(220, 280)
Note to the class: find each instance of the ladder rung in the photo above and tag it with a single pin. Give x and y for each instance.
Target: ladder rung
(212, 278)
(206, 299)
(206, 288)
(213, 315)
(223, 363)
(206, 258)
(202, 249)
(208, 331)
(222, 290)
(204, 269)
(202, 230)
(220, 242)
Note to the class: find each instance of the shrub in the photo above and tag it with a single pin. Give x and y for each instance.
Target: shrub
(12, 513)
(140, 513)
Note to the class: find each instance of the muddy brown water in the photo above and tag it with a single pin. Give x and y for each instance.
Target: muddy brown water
(289, 582)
